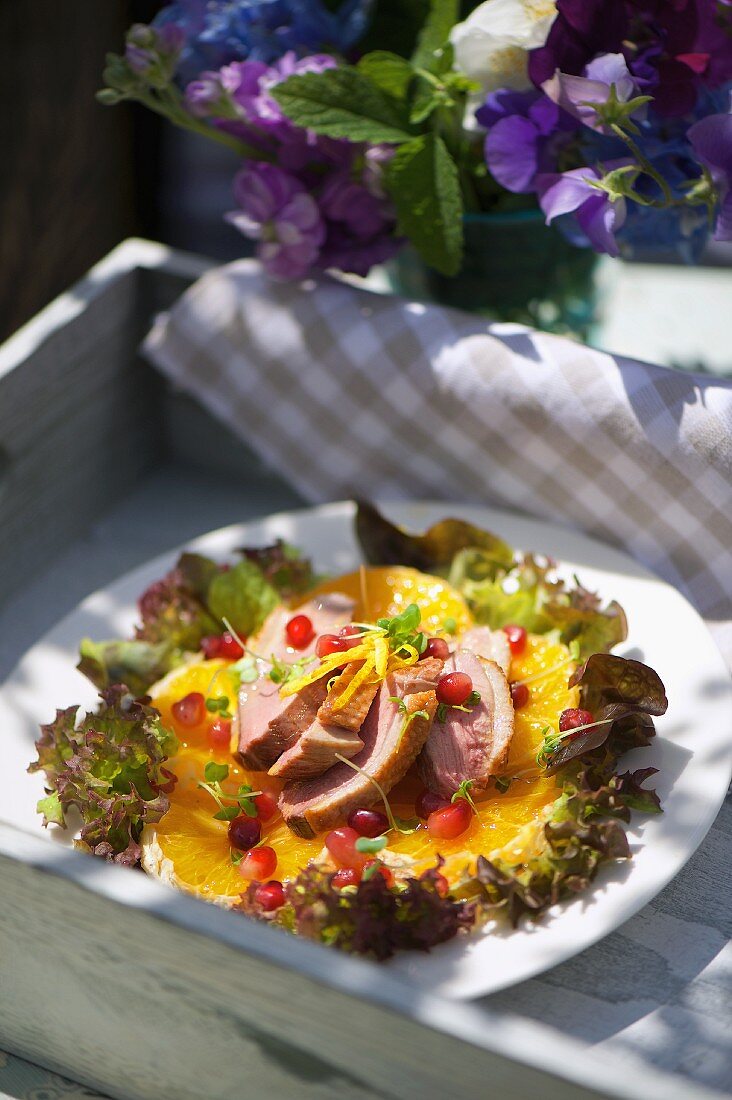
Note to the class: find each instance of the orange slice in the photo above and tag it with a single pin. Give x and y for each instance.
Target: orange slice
(385, 590)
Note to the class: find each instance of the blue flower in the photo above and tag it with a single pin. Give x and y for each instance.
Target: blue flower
(221, 31)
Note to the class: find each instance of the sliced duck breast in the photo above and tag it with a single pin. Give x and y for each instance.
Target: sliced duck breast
(352, 715)
(491, 644)
(474, 744)
(390, 747)
(314, 751)
(267, 724)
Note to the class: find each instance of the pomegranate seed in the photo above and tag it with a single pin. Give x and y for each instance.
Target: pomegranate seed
(519, 695)
(259, 864)
(219, 733)
(436, 647)
(345, 877)
(211, 646)
(229, 647)
(341, 843)
(368, 823)
(350, 631)
(575, 716)
(299, 631)
(385, 873)
(427, 802)
(190, 710)
(270, 895)
(454, 688)
(266, 805)
(330, 643)
(450, 822)
(516, 638)
(245, 832)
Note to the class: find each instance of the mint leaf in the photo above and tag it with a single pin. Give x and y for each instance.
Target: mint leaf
(422, 180)
(343, 103)
(432, 43)
(391, 73)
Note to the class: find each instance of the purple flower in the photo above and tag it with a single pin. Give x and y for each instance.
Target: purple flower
(359, 225)
(525, 133)
(581, 95)
(152, 52)
(582, 29)
(573, 193)
(276, 210)
(711, 140)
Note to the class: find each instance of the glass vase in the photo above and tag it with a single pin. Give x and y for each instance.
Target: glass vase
(515, 268)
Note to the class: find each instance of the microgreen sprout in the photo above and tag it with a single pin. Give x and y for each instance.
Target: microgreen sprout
(371, 870)
(219, 705)
(442, 708)
(241, 802)
(371, 845)
(282, 671)
(398, 824)
(552, 739)
(463, 792)
(502, 783)
(402, 631)
(409, 716)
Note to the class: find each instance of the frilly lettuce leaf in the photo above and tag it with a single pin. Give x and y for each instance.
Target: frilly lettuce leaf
(499, 585)
(189, 603)
(623, 696)
(284, 567)
(242, 596)
(384, 543)
(109, 767)
(374, 919)
(135, 663)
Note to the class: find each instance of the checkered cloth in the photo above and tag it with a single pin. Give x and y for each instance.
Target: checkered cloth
(346, 392)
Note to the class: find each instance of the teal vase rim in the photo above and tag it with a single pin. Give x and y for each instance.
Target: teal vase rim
(508, 217)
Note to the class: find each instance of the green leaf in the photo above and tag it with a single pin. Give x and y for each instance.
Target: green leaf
(388, 71)
(433, 38)
(136, 664)
(425, 99)
(215, 773)
(343, 103)
(242, 596)
(51, 808)
(422, 179)
(227, 813)
(369, 845)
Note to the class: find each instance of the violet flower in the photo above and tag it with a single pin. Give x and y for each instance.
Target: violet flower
(711, 140)
(276, 210)
(580, 96)
(525, 134)
(573, 193)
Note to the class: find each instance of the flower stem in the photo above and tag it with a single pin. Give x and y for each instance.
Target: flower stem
(644, 163)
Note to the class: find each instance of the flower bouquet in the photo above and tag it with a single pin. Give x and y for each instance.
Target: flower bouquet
(366, 124)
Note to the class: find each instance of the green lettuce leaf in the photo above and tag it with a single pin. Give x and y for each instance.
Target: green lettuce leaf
(110, 768)
(284, 567)
(135, 663)
(242, 596)
(499, 585)
(385, 543)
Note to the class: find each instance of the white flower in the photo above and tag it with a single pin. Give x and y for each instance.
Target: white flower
(492, 44)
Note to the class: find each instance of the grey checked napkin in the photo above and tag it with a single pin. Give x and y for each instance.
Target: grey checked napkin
(345, 392)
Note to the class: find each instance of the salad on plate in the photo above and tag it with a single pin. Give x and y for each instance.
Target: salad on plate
(426, 747)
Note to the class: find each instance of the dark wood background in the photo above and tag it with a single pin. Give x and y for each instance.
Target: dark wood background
(75, 177)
